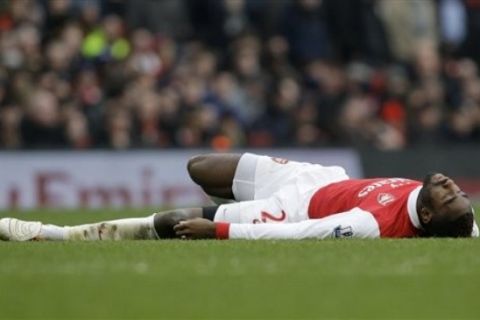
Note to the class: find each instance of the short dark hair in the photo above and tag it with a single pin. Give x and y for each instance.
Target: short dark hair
(461, 227)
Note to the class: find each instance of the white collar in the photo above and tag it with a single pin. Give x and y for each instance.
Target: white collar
(412, 207)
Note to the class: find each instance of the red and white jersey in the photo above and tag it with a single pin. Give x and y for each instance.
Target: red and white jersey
(364, 208)
(281, 199)
(385, 198)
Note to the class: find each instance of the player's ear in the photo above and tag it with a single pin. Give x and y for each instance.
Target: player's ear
(425, 215)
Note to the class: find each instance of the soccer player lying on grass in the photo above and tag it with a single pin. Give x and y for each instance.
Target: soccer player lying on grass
(279, 199)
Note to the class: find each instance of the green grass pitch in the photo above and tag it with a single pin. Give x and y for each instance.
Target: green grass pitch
(333, 279)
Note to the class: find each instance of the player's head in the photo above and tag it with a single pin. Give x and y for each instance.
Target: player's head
(444, 209)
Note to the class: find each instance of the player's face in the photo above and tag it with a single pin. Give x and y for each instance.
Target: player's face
(446, 199)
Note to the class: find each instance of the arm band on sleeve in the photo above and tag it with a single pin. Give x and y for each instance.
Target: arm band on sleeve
(209, 212)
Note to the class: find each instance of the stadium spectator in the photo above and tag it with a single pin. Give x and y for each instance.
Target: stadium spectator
(362, 19)
(305, 29)
(408, 22)
(452, 20)
(166, 17)
(238, 73)
(42, 125)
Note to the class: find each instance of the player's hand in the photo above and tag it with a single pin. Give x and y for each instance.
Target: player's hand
(197, 228)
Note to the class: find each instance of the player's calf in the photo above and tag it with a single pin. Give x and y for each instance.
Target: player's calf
(164, 222)
(92, 232)
(123, 229)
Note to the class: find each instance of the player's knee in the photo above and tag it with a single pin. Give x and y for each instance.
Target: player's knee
(197, 167)
(164, 223)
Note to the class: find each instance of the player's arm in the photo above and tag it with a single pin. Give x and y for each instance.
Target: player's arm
(355, 223)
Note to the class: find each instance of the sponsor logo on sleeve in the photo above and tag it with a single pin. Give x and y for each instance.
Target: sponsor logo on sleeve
(342, 232)
(279, 160)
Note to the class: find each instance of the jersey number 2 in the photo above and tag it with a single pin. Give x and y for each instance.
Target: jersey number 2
(266, 217)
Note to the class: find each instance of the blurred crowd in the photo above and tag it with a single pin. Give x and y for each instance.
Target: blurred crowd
(238, 73)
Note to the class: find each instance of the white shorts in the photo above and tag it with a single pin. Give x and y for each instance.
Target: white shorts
(272, 190)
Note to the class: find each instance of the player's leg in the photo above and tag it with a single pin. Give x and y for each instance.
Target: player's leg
(12, 229)
(214, 173)
(141, 228)
(240, 177)
(158, 225)
(273, 190)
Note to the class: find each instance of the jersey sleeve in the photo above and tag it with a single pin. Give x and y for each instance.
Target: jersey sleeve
(355, 223)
